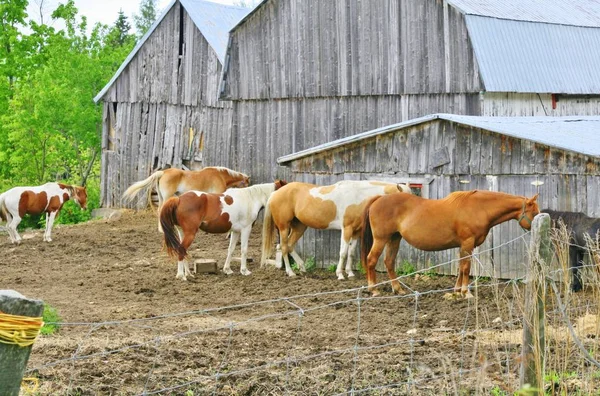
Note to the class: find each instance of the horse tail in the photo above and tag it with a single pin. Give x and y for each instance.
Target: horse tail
(268, 235)
(142, 184)
(3, 209)
(366, 234)
(168, 221)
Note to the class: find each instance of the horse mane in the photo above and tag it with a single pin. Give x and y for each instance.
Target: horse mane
(70, 188)
(230, 171)
(459, 195)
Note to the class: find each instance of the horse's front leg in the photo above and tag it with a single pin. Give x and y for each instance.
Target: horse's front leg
(245, 237)
(49, 222)
(576, 259)
(351, 252)
(343, 256)
(11, 225)
(232, 244)
(465, 270)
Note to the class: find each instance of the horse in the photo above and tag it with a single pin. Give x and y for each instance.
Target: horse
(47, 198)
(234, 210)
(578, 224)
(168, 182)
(462, 219)
(335, 207)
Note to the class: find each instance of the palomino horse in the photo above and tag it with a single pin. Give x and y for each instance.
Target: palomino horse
(234, 210)
(48, 198)
(336, 207)
(168, 182)
(462, 219)
(578, 224)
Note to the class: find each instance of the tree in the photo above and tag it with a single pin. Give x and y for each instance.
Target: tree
(119, 34)
(146, 17)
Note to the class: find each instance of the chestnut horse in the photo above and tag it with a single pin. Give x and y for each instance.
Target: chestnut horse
(168, 182)
(234, 210)
(462, 219)
(336, 207)
(47, 198)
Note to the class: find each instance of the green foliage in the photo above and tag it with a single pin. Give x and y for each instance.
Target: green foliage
(310, 265)
(146, 17)
(332, 268)
(51, 320)
(406, 268)
(496, 391)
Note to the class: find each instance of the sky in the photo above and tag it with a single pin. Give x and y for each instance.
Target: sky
(104, 11)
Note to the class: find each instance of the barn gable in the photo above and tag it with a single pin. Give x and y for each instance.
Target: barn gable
(161, 108)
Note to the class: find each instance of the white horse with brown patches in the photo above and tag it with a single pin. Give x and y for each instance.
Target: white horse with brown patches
(297, 206)
(234, 210)
(48, 198)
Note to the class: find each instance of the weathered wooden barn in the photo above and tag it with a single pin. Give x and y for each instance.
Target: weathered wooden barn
(557, 157)
(161, 108)
(305, 72)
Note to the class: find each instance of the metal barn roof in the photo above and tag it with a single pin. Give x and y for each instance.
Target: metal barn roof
(213, 20)
(565, 12)
(580, 134)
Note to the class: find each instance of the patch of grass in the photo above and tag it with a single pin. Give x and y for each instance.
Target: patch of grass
(51, 320)
(332, 268)
(496, 391)
(310, 265)
(406, 268)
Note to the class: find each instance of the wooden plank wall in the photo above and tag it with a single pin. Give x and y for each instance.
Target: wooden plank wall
(515, 104)
(156, 74)
(485, 160)
(265, 130)
(156, 136)
(323, 48)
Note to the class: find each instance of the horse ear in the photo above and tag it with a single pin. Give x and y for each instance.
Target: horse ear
(534, 198)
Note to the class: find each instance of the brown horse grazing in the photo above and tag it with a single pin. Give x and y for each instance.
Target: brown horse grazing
(336, 207)
(212, 179)
(235, 210)
(47, 198)
(462, 219)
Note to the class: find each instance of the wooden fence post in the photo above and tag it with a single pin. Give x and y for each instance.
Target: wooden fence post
(534, 318)
(13, 358)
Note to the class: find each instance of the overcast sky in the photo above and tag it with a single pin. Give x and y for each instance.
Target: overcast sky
(104, 11)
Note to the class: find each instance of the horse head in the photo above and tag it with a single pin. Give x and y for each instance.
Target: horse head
(79, 195)
(279, 183)
(244, 182)
(530, 210)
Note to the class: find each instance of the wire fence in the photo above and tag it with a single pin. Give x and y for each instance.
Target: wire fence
(341, 342)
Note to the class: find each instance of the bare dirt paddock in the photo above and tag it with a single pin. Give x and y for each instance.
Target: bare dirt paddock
(132, 328)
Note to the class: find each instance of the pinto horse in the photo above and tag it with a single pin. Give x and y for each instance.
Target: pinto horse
(234, 210)
(47, 198)
(578, 224)
(168, 182)
(336, 207)
(462, 219)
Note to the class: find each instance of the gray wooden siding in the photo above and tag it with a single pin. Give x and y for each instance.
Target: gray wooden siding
(150, 136)
(487, 160)
(157, 73)
(514, 104)
(324, 48)
(266, 130)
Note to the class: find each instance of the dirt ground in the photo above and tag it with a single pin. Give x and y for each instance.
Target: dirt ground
(130, 327)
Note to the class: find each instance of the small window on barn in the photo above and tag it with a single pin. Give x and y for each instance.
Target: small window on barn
(416, 188)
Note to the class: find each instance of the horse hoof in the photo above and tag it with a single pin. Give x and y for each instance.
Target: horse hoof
(180, 276)
(246, 273)
(291, 274)
(449, 296)
(228, 271)
(399, 292)
(340, 277)
(468, 295)
(351, 275)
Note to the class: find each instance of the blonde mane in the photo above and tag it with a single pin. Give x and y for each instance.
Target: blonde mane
(230, 171)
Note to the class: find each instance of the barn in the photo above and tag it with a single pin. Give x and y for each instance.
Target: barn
(557, 157)
(300, 73)
(160, 109)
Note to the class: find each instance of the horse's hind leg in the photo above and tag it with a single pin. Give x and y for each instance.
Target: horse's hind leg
(183, 269)
(372, 258)
(297, 232)
(232, 244)
(344, 247)
(391, 252)
(11, 226)
(351, 251)
(576, 258)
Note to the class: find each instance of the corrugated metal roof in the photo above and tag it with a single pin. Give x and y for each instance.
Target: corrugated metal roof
(580, 134)
(212, 19)
(516, 56)
(566, 12)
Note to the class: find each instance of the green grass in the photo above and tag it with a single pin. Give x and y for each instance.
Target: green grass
(50, 315)
(406, 268)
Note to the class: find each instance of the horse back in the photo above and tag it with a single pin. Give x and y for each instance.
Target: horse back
(204, 211)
